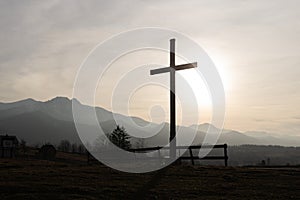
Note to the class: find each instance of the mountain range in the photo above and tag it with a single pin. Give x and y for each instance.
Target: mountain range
(52, 121)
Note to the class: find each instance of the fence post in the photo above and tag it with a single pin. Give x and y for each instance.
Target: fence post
(225, 155)
(192, 157)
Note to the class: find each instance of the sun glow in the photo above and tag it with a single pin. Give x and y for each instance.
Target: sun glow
(200, 88)
(198, 84)
(222, 64)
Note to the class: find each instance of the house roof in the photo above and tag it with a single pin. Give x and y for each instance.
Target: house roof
(9, 137)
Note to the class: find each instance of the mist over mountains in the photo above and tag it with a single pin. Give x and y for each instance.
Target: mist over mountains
(52, 121)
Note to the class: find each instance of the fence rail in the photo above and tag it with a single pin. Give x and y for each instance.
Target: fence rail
(190, 148)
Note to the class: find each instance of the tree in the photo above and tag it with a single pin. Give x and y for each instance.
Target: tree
(140, 143)
(101, 142)
(81, 149)
(74, 148)
(23, 143)
(64, 146)
(120, 138)
(23, 146)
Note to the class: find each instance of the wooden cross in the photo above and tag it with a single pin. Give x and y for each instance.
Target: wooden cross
(172, 70)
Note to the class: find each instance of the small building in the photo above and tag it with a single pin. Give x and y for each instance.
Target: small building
(8, 146)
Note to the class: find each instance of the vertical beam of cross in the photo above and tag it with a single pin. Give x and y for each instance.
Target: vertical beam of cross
(172, 70)
(172, 101)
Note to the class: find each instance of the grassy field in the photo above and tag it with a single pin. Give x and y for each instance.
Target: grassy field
(38, 179)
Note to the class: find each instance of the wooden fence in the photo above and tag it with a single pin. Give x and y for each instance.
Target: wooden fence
(190, 151)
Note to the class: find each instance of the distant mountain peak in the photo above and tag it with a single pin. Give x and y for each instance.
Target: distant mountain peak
(60, 100)
(29, 99)
(203, 126)
(63, 100)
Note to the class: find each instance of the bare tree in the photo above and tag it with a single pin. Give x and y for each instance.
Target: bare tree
(81, 149)
(74, 148)
(140, 143)
(23, 146)
(101, 142)
(64, 146)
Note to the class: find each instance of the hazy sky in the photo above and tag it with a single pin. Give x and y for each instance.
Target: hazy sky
(255, 44)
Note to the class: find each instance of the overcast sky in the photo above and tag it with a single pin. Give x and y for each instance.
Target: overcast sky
(255, 44)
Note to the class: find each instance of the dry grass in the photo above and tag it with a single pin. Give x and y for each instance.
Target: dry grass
(37, 179)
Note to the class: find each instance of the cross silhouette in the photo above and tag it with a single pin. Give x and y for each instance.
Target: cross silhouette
(172, 70)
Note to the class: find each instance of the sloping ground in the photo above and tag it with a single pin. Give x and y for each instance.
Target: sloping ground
(35, 179)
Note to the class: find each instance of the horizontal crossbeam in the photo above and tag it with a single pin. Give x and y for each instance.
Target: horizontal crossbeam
(160, 70)
(186, 66)
(177, 67)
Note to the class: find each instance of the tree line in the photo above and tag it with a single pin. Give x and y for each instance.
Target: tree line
(118, 137)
